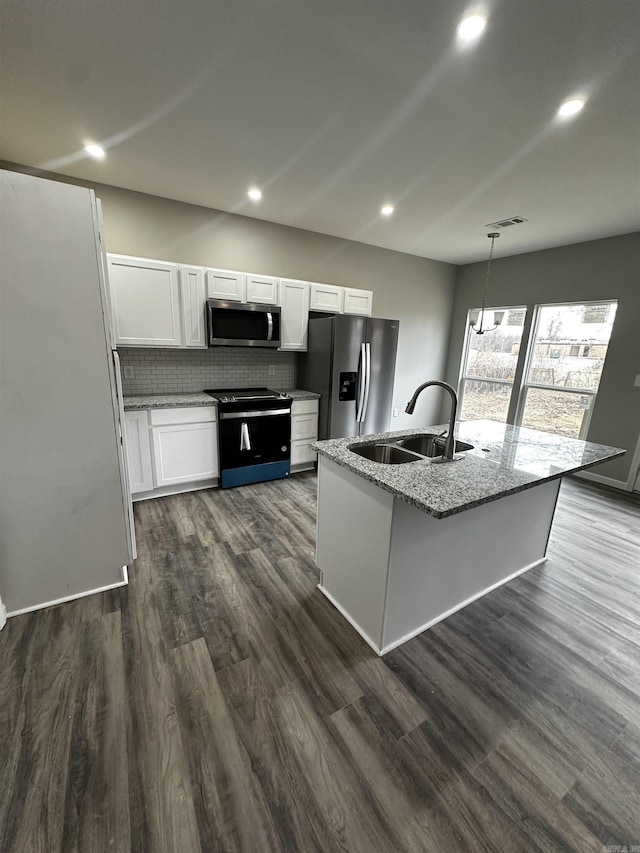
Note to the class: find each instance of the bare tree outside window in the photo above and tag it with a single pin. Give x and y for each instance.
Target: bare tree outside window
(489, 369)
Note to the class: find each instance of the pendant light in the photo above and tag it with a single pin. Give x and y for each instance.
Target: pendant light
(482, 320)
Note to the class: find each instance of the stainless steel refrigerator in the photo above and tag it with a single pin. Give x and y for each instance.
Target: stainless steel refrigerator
(351, 362)
(66, 526)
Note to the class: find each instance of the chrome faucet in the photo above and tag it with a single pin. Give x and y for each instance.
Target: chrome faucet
(450, 442)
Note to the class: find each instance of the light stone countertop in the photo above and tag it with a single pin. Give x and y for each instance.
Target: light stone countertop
(505, 460)
(196, 398)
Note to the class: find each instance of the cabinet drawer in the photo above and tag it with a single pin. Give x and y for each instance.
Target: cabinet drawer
(186, 415)
(301, 452)
(304, 426)
(303, 407)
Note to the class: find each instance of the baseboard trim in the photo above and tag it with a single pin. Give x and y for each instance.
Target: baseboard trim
(349, 619)
(178, 489)
(394, 645)
(390, 646)
(123, 582)
(604, 481)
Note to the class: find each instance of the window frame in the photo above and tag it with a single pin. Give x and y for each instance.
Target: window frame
(531, 342)
(464, 377)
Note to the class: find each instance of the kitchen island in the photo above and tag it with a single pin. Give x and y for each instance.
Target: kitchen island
(402, 546)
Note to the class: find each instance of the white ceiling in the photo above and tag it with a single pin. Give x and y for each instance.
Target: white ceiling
(334, 107)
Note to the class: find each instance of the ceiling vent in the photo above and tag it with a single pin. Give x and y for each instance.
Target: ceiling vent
(505, 223)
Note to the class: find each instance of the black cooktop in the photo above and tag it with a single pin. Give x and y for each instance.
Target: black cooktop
(236, 395)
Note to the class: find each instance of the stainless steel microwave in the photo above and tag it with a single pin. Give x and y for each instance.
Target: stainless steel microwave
(242, 324)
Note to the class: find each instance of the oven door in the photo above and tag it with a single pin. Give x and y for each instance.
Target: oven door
(254, 446)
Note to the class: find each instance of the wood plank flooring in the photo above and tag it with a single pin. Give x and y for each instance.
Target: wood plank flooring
(219, 703)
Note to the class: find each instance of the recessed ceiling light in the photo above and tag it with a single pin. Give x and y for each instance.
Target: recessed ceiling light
(387, 209)
(254, 194)
(96, 151)
(570, 108)
(471, 27)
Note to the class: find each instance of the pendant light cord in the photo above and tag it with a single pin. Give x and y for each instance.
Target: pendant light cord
(493, 236)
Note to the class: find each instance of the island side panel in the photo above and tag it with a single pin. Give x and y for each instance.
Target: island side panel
(353, 540)
(437, 566)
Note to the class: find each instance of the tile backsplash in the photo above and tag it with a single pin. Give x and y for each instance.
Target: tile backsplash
(171, 371)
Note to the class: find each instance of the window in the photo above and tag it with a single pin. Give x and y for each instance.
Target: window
(566, 356)
(489, 367)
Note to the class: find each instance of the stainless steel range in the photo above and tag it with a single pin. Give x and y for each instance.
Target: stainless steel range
(254, 435)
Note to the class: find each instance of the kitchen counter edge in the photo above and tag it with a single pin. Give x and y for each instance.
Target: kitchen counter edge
(136, 402)
(445, 490)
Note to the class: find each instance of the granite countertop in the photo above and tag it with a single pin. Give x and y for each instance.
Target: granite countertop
(505, 460)
(196, 398)
(299, 393)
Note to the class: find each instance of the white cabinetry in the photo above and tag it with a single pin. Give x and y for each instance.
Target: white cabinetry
(138, 451)
(184, 445)
(358, 301)
(145, 300)
(326, 297)
(193, 296)
(262, 288)
(294, 302)
(226, 284)
(304, 432)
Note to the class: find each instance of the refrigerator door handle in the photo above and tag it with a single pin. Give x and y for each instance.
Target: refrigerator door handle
(367, 379)
(362, 379)
(123, 455)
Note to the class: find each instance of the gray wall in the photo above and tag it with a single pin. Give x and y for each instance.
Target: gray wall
(600, 269)
(417, 291)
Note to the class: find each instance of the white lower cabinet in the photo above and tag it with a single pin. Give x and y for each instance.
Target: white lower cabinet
(185, 445)
(138, 451)
(304, 433)
(184, 453)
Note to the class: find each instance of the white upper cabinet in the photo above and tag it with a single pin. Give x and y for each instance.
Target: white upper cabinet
(226, 284)
(294, 302)
(326, 297)
(358, 301)
(262, 288)
(193, 297)
(145, 300)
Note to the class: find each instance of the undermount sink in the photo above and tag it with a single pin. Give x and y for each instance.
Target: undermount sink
(388, 454)
(413, 449)
(431, 445)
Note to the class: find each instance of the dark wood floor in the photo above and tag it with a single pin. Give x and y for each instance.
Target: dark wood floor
(219, 703)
